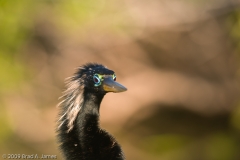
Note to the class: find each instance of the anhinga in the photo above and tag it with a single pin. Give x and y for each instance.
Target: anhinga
(78, 130)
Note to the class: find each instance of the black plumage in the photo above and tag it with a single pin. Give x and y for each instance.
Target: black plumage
(78, 131)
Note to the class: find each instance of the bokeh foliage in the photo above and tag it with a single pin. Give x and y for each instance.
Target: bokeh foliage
(25, 40)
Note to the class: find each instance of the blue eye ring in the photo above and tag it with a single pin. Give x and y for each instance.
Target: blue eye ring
(96, 80)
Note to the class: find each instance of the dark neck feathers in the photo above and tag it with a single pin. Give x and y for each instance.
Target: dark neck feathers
(85, 140)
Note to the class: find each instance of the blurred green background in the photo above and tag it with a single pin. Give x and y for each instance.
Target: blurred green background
(178, 59)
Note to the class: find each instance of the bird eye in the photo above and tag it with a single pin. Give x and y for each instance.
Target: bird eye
(114, 77)
(96, 80)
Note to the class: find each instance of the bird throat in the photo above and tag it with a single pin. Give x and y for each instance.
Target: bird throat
(91, 104)
(87, 122)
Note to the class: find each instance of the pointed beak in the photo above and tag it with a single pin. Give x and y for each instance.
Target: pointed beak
(109, 85)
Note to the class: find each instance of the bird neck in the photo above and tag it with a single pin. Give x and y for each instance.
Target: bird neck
(88, 121)
(91, 104)
(89, 114)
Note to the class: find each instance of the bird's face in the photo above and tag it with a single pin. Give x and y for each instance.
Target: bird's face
(107, 83)
(102, 80)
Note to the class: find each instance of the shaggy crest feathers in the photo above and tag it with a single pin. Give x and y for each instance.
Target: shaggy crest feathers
(73, 95)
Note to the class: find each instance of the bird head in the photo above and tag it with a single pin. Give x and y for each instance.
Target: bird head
(98, 79)
(93, 79)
